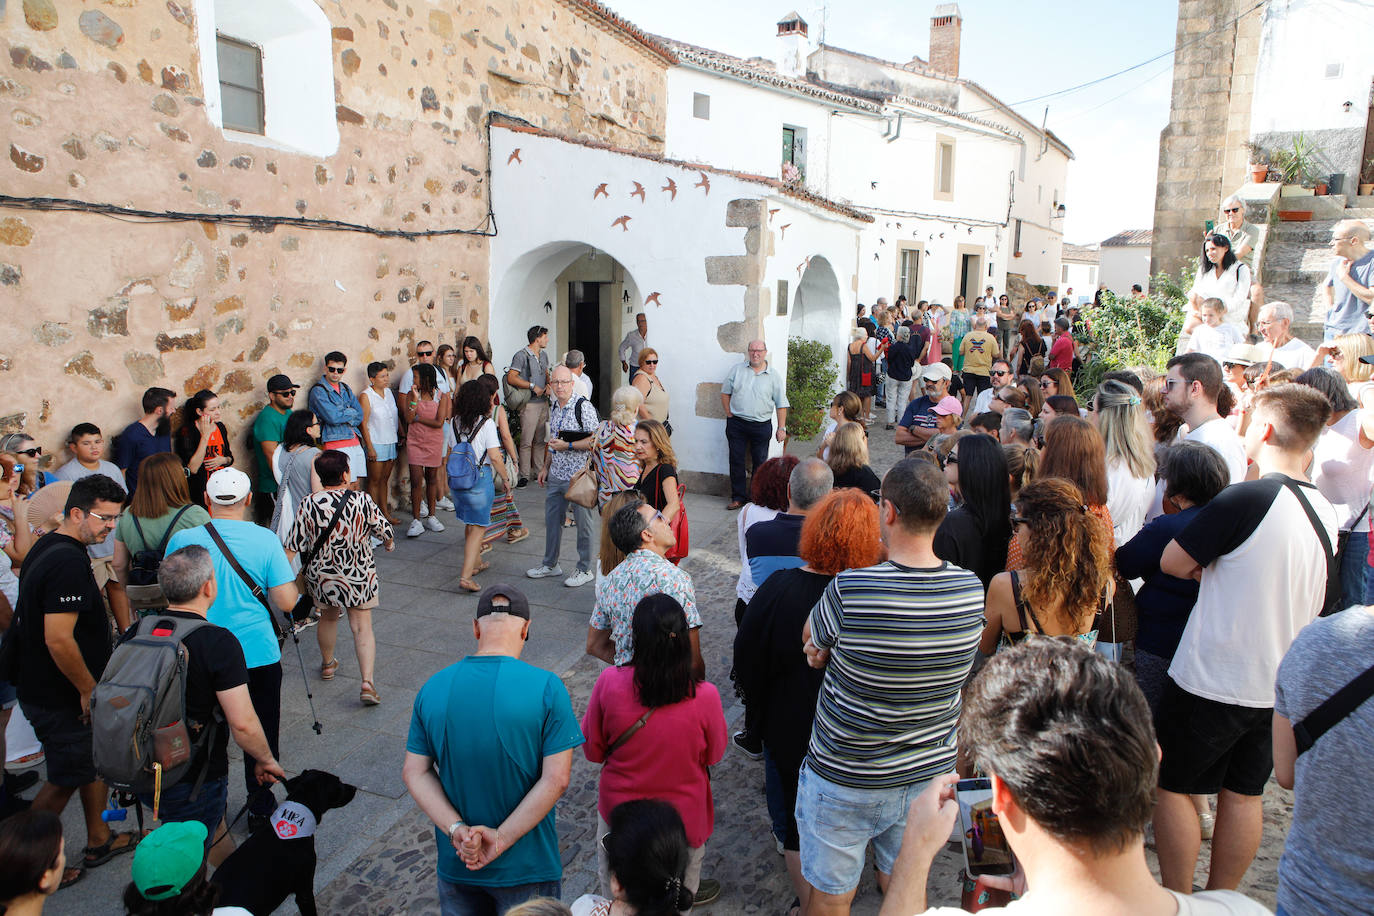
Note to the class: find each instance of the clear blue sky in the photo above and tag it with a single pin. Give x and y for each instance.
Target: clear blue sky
(1015, 50)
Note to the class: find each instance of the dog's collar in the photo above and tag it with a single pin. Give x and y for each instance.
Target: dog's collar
(293, 821)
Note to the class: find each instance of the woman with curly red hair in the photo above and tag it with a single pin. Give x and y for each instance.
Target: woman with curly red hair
(780, 688)
(1067, 573)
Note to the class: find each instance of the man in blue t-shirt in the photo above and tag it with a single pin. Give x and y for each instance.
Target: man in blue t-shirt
(488, 756)
(259, 553)
(1347, 291)
(150, 434)
(918, 423)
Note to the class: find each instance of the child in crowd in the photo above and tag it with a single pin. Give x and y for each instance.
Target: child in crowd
(1214, 336)
(87, 447)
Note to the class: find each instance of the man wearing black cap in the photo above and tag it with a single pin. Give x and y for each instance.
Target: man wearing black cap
(268, 430)
(488, 756)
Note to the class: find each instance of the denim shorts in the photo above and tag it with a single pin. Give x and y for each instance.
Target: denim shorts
(837, 822)
(472, 900)
(208, 808)
(385, 452)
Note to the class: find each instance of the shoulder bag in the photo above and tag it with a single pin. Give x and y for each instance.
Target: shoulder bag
(629, 732)
(1331, 600)
(257, 590)
(306, 604)
(516, 398)
(680, 526)
(1330, 713)
(584, 488)
(143, 565)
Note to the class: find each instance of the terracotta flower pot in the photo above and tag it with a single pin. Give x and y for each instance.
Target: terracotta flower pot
(1259, 173)
(1321, 189)
(1367, 189)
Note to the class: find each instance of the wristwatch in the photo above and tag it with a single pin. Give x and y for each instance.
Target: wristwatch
(454, 826)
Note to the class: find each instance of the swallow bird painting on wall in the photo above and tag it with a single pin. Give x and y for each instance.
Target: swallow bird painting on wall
(623, 222)
(601, 191)
(653, 297)
(803, 265)
(638, 192)
(782, 230)
(671, 188)
(773, 213)
(515, 157)
(705, 182)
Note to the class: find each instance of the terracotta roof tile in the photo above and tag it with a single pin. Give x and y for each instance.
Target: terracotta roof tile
(763, 71)
(1084, 254)
(612, 21)
(825, 203)
(1129, 237)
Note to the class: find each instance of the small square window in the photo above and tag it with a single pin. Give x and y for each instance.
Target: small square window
(240, 85)
(701, 106)
(1335, 71)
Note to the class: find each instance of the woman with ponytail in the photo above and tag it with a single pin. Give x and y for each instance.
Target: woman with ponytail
(655, 729)
(647, 852)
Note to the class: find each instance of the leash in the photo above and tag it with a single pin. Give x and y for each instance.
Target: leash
(230, 828)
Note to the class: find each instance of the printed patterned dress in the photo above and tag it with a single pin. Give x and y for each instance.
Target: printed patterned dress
(344, 573)
(617, 468)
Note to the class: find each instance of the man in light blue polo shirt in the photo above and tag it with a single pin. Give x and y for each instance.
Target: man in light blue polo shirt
(752, 392)
(1349, 288)
(258, 551)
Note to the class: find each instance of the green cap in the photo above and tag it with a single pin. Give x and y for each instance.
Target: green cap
(168, 858)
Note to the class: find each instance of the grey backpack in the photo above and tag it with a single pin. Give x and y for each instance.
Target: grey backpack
(138, 709)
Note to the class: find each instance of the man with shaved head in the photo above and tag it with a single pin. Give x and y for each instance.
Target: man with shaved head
(1349, 288)
(751, 394)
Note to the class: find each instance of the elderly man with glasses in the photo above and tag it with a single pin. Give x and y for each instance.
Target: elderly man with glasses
(341, 415)
(750, 395)
(1349, 288)
(1280, 346)
(919, 423)
(1001, 375)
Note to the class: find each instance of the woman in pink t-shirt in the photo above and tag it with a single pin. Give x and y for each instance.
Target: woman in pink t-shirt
(655, 729)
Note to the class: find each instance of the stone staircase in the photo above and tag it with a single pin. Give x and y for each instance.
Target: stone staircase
(1297, 256)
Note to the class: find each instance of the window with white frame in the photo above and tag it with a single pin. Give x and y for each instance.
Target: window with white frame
(909, 274)
(268, 71)
(794, 151)
(944, 168)
(701, 106)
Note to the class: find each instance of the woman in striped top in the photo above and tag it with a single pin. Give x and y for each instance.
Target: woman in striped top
(617, 467)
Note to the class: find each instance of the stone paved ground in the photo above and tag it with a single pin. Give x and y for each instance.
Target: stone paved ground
(377, 855)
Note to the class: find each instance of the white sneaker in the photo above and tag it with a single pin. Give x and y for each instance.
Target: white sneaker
(581, 577)
(444, 503)
(416, 529)
(424, 509)
(541, 572)
(433, 524)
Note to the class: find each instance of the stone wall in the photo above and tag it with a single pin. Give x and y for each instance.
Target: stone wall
(1202, 154)
(103, 104)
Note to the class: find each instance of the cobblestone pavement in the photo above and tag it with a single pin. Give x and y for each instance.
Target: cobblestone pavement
(396, 874)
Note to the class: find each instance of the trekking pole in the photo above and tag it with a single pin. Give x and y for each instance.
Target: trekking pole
(296, 638)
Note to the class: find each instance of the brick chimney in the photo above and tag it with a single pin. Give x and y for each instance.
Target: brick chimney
(944, 38)
(792, 45)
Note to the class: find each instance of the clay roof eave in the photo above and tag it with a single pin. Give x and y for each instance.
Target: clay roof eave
(611, 21)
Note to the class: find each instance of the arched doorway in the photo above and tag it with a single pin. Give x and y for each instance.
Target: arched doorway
(584, 296)
(817, 312)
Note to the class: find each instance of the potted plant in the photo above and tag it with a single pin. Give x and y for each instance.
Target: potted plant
(1299, 167)
(1259, 162)
(1367, 178)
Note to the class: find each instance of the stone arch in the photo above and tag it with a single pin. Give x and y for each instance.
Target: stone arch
(817, 311)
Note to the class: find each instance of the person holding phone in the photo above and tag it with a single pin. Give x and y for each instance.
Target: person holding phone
(1064, 737)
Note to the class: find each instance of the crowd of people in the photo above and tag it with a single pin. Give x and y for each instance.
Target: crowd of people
(1045, 585)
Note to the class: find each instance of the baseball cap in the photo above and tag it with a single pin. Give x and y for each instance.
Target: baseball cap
(937, 371)
(949, 405)
(281, 382)
(168, 859)
(519, 604)
(228, 486)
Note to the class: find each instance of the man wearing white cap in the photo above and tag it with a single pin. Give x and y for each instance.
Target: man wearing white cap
(919, 422)
(248, 559)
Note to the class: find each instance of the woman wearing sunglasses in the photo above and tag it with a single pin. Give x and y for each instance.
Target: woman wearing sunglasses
(655, 406)
(27, 453)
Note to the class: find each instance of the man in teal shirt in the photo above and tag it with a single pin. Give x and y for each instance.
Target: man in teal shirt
(488, 756)
(268, 430)
(751, 393)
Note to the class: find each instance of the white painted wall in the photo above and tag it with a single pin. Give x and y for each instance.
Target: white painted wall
(297, 69)
(1081, 278)
(1299, 39)
(1124, 265)
(548, 219)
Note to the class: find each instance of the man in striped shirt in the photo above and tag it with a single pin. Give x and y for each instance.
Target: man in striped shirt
(897, 641)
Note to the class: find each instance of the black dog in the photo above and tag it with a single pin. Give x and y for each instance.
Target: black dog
(280, 860)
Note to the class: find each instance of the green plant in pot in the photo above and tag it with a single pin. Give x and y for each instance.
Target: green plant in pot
(1367, 178)
(1259, 161)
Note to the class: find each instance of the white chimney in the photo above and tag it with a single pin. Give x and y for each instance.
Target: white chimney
(793, 45)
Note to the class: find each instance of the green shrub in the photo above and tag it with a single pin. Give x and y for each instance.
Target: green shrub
(1129, 332)
(812, 382)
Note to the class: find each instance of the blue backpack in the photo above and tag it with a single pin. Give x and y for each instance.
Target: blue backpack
(464, 464)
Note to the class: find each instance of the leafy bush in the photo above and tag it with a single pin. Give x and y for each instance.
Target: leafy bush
(1129, 332)
(812, 382)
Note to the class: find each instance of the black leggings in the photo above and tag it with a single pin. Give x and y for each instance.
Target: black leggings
(264, 688)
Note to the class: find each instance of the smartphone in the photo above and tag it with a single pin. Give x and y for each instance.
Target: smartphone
(1210, 226)
(985, 846)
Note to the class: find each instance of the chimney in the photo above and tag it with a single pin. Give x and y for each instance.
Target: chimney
(944, 38)
(792, 45)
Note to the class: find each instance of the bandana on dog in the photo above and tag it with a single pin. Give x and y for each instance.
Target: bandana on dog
(293, 821)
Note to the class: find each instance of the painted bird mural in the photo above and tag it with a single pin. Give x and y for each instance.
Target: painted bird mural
(705, 182)
(623, 222)
(638, 192)
(671, 188)
(515, 157)
(782, 230)
(601, 191)
(653, 297)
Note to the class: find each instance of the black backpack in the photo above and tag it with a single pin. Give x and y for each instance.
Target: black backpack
(144, 564)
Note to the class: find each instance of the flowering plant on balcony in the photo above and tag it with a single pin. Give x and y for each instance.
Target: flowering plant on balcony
(791, 174)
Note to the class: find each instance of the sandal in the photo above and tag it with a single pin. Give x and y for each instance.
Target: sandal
(518, 535)
(71, 875)
(95, 856)
(794, 908)
(481, 567)
(487, 547)
(329, 669)
(368, 695)
(468, 585)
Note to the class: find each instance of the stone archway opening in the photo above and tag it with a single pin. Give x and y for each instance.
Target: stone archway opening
(817, 311)
(583, 295)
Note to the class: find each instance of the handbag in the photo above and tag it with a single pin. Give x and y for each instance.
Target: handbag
(305, 604)
(516, 398)
(679, 525)
(1119, 623)
(627, 733)
(583, 488)
(1331, 600)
